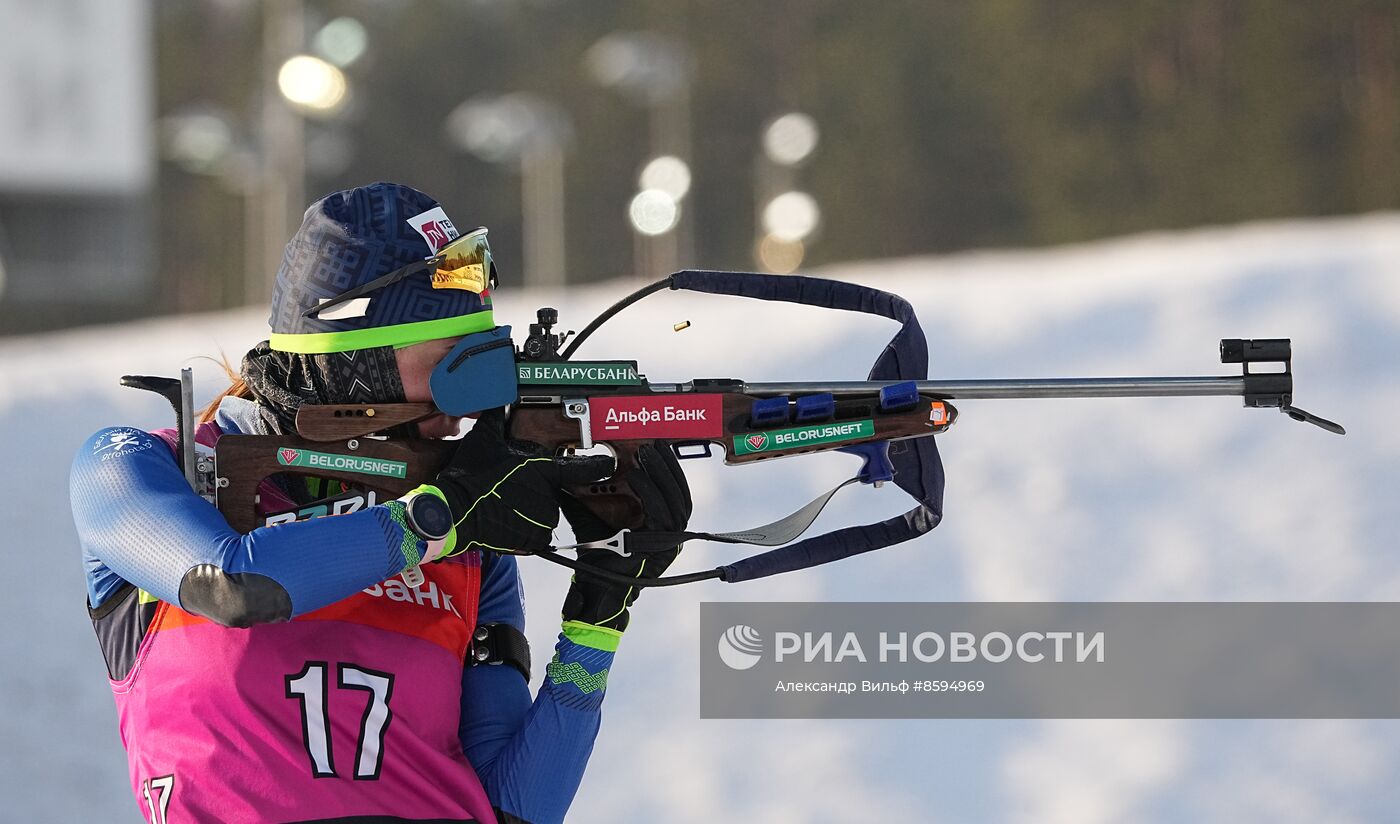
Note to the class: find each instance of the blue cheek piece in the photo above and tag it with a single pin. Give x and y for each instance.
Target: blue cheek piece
(478, 374)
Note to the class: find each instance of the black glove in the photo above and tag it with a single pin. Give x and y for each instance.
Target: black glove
(504, 495)
(666, 506)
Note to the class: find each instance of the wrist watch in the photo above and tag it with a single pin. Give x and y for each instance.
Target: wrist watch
(428, 516)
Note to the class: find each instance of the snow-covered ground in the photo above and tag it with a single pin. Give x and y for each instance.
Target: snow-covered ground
(1183, 499)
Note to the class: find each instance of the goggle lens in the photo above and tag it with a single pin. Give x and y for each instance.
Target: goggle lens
(465, 263)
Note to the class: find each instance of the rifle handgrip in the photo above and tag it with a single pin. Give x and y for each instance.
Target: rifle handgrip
(612, 500)
(614, 503)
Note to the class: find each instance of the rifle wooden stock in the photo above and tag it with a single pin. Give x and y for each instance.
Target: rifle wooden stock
(338, 421)
(243, 462)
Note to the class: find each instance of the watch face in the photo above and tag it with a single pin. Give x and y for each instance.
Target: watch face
(430, 516)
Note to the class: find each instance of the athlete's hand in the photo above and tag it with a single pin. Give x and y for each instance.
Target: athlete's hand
(660, 485)
(504, 495)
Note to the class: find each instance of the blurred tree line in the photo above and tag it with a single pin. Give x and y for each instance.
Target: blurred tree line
(945, 125)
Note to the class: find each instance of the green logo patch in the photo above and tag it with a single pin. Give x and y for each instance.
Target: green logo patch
(813, 435)
(601, 373)
(345, 463)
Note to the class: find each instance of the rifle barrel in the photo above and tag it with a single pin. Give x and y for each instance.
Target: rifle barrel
(1027, 387)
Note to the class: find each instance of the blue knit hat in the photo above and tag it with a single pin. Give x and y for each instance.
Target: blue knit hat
(350, 238)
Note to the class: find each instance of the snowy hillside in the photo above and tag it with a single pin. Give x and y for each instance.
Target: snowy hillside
(1183, 499)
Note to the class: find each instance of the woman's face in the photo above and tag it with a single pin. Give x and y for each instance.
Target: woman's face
(415, 365)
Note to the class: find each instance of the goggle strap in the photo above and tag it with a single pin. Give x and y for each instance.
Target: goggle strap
(378, 283)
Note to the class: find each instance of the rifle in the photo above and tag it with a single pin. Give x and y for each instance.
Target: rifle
(564, 405)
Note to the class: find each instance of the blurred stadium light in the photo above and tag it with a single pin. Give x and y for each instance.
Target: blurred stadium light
(668, 173)
(342, 41)
(651, 70)
(653, 212)
(647, 68)
(790, 139)
(786, 217)
(781, 257)
(531, 132)
(198, 139)
(314, 86)
(791, 216)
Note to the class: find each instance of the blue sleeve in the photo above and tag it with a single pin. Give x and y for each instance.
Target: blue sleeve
(139, 521)
(502, 599)
(530, 757)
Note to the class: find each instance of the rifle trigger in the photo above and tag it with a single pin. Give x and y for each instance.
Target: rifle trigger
(577, 408)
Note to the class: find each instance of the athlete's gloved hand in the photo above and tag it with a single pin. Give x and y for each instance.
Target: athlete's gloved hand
(504, 495)
(666, 506)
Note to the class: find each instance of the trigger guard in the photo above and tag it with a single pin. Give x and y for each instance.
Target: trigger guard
(876, 468)
(598, 449)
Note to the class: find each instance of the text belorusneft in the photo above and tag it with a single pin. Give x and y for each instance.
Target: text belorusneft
(955, 647)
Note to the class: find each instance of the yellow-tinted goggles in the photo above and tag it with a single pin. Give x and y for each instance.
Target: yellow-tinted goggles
(464, 263)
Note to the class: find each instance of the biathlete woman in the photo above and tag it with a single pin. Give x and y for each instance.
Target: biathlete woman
(296, 673)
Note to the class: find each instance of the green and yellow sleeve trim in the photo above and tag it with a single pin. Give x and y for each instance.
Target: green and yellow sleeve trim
(591, 636)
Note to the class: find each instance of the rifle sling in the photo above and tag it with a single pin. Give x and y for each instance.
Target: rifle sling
(918, 469)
